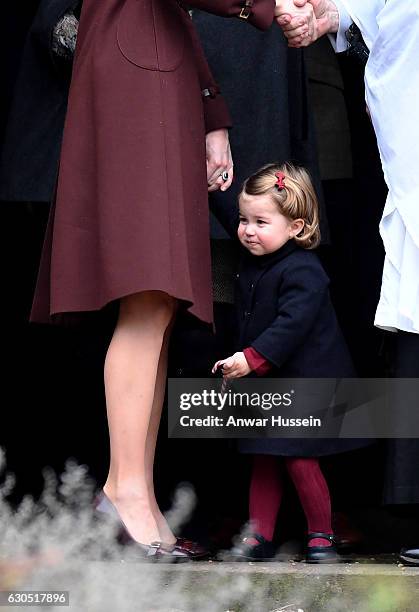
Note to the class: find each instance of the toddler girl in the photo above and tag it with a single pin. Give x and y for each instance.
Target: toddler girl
(288, 328)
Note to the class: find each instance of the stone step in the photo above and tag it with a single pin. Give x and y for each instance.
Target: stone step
(367, 586)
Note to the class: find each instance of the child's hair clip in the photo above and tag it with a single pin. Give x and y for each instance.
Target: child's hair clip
(280, 185)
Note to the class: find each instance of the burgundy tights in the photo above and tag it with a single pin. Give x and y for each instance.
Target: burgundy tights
(266, 489)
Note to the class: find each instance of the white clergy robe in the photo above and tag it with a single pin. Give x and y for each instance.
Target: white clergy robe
(391, 31)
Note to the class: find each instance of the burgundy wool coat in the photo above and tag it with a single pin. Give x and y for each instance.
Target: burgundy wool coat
(131, 208)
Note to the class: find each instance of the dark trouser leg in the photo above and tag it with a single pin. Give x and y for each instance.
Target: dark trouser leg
(402, 469)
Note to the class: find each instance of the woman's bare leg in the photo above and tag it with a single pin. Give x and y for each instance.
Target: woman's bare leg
(166, 534)
(131, 372)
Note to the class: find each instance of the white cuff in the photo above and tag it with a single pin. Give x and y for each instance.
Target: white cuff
(338, 40)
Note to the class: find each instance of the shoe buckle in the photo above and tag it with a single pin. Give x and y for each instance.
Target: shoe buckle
(153, 549)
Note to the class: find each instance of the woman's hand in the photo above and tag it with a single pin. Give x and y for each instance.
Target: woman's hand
(219, 160)
(235, 366)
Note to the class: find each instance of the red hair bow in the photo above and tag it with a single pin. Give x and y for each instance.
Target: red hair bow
(280, 181)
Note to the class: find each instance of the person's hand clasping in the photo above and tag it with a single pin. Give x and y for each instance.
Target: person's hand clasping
(298, 22)
(235, 366)
(299, 27)
(219, 161)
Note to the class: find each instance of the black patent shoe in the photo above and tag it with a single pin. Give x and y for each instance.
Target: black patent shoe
(246, 551)
(322, 554)
(410, 556)
(156, 551)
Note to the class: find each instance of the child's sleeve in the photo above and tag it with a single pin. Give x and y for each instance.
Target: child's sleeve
(257, 363)
(303, 291)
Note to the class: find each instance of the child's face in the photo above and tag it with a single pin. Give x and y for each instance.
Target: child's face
(263, 229)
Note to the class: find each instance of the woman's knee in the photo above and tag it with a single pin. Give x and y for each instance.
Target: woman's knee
(155, 307)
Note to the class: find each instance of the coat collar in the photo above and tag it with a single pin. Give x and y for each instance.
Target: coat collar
(263, 261)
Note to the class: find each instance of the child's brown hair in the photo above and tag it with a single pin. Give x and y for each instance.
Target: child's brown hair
(295, 197)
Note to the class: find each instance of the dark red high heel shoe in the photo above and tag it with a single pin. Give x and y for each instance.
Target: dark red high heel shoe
(195, 551)
(156, 551)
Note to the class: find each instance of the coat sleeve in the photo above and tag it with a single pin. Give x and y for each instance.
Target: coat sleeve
(303, 290)
(216, 114)
(259, 13)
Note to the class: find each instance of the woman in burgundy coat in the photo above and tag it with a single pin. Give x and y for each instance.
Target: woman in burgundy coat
(130, 220)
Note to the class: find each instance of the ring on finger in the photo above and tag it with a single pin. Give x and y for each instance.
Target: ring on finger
(224, 176)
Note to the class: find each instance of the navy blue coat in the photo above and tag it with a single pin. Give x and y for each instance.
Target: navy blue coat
(284, 311)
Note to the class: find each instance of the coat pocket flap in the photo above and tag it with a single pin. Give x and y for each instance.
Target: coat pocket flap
(150, 34)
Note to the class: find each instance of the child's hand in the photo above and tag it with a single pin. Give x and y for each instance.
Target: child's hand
(235, 366)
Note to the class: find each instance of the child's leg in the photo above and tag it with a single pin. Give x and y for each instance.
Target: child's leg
(131, 373)
(265, 495)
(314, 495)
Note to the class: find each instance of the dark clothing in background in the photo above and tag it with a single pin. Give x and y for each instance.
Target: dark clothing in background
(16, 21)
(327, 101)
(29, 157)
(402, 460)
(265, 86)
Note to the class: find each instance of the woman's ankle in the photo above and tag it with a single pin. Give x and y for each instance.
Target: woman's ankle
(123, 493)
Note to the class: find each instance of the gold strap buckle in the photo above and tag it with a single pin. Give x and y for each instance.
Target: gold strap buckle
(245, 12)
